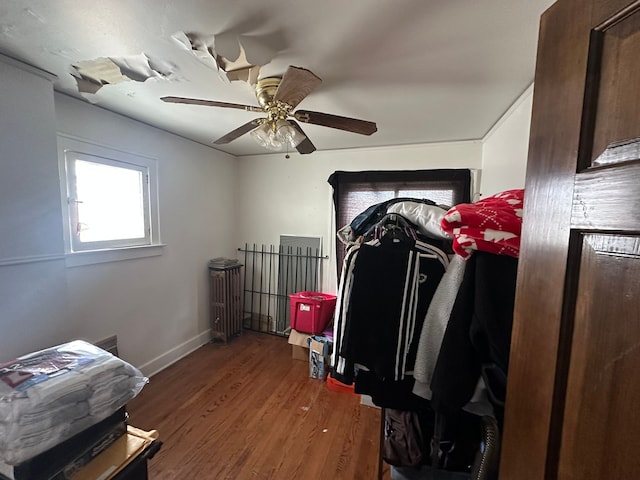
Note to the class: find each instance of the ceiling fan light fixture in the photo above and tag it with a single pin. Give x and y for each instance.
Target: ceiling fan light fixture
(276, 135)
(288, 134)
(262, 135)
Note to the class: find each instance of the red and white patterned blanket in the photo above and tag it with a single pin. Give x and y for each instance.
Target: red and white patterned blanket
(492, 224)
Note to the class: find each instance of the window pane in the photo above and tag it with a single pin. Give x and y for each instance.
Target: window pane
(358, 201)
(110, 202)
(439, 196)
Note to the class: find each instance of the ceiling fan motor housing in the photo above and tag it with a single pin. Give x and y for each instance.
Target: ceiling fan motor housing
(265, 91)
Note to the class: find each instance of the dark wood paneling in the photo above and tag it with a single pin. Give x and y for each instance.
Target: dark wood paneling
(600, 431)
(607, 198)
(542, 346)
(618, 98)
(555, 131)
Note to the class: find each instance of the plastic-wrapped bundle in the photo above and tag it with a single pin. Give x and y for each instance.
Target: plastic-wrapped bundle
(50, 395)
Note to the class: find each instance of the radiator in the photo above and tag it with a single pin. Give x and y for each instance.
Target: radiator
(226, 302)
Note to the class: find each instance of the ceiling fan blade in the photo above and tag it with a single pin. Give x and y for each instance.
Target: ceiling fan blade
(296, 84)
(304, 146)
(238, 132)
(354, 125)
(210, 103)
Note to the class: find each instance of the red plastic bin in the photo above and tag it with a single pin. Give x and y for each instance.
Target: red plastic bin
(311, 311)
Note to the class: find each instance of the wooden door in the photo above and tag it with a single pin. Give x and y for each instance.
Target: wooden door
(573, 399)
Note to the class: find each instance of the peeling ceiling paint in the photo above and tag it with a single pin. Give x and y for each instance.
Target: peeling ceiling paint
(424, 71)
(92, 75)
(227, 52)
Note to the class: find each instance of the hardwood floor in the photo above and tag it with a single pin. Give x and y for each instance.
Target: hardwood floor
(247, 410)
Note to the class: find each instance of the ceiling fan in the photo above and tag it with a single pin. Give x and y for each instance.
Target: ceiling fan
(277, 98)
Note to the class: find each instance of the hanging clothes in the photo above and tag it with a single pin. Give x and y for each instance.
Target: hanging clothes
(422, 334)
(435, 325)
(365, 220)
(384, 291)
(478, 332)
(420, 215)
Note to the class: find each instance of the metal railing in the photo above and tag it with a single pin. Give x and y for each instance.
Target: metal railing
(271, 274)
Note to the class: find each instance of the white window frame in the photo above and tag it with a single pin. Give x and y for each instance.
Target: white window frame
(81, 253)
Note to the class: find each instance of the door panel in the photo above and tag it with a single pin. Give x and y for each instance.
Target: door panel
(603, 198)
(601, 421)
(616, 44)
(572, 391)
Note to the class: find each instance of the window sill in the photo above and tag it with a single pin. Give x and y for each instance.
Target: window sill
(78, 259)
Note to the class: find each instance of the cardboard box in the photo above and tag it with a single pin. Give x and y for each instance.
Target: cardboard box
(115, 458)
(299, 345)
(318, 358)
(299, 353)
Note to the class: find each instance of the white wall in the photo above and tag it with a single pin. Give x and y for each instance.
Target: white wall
(291, 196)
(32, 282)
(157, 306)
(27, 122)
(160, 298)
(505, 147)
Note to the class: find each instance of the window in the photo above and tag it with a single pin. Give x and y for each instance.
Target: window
(108, 201)
(108, 196)
(354, 192)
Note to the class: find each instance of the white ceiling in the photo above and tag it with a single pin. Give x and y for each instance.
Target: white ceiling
(423, 70)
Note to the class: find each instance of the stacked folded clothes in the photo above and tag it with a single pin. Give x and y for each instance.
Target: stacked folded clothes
(48, 396)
